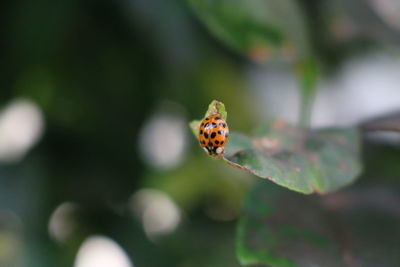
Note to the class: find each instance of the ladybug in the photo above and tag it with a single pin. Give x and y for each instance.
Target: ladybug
(213, 134)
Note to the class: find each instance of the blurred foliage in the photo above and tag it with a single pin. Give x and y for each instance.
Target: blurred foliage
(261, 30)
(98, 70)
(354, 227)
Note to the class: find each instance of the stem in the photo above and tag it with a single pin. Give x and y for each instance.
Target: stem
(382, 128)
(307, 71)
(385, 123)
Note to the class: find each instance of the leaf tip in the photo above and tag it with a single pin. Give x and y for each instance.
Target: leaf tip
(217, 107)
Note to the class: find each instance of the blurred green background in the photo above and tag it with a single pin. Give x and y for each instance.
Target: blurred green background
(95, 97)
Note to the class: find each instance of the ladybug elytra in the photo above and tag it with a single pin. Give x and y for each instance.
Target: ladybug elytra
(213, 134)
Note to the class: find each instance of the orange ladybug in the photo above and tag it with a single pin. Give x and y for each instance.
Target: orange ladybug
(213, 134)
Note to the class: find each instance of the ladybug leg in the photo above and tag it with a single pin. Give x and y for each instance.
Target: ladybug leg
(219, 150)
(207, 149)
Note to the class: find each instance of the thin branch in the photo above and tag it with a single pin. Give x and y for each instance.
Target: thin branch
(381, 128)
(386, 123)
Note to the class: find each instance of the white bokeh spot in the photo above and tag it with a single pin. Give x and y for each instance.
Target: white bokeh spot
(21, 126)
(163, 140)
(62, 221)
(159, 214)
(101, 251)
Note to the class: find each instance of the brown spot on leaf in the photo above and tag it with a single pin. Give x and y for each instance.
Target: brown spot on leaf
(279, 125)
(312, 157)
(260, 53)
(288, 50)
(317, 190)
(268, 144)
(342, 165)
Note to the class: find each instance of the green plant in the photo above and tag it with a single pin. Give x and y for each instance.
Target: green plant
(278, 227)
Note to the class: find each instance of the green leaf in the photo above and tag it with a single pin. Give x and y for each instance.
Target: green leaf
(349, 228)
(303, 161)
(259, 29)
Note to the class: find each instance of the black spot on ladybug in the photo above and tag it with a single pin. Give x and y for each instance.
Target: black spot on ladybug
(213, 135)
(206, 125)
(224, 125)
(216, 142)
(217, 118)
(201, 131)
(209, 144)
(207, 118)
(222, 142)
(219, 132)
(204, 142)
(206, 135)
(214, 125)
(202, 124)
